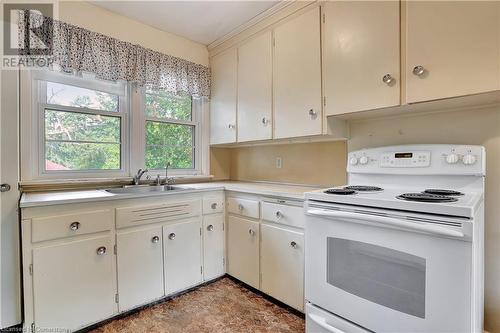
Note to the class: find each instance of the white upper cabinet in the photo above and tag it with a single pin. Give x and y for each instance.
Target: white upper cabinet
(223, 98)
(297, 76)
(255, 89)
(452, 48)
(361, 51)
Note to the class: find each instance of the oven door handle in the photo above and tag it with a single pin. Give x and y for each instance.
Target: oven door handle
(322, 322)
(430, 229)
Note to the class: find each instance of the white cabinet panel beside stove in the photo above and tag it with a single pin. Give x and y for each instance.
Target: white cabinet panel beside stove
(400, 248)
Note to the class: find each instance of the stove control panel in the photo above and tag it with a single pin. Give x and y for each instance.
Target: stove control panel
(408, 159)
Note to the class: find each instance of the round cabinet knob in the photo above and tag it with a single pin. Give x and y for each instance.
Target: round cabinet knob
(231, 126)
(251, 232)
(214, 205)
(388, 79)
(4, 188)
(452, 158)
(210, 228)
(293, 244)
(265, 121)
(418, 70)
(363, 160)
(279, 214)
(353, 161)
(171, 236)
(155, 239)
(101, 250)
(469, 159)
(240, 207)
(312, 113)
(74, 226)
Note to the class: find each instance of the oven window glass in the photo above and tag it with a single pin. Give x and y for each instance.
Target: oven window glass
(381, 275)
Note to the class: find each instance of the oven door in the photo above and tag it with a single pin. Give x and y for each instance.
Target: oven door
(388, 274)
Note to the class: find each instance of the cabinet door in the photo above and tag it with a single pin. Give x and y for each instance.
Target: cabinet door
(297, 74)
(213, 246)
(223, 98)
(456, 44)
(243, 250)
(255, 89)
(140, 266)
(73, 283)
(361, 55)
(282, 265)
(182, 255)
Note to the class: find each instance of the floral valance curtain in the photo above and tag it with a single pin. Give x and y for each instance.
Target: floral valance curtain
(74, 49)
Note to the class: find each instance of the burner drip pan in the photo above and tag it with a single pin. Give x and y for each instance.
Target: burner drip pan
(363, 188)
(340, 191)
(426, 197)
(442, 192)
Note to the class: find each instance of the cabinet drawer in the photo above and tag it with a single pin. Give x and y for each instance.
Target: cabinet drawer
(283, 214)
(212, 205)
(244, 207)
(138, 215)
(79, 223)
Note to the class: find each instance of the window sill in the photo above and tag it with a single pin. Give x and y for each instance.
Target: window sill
(96, 183)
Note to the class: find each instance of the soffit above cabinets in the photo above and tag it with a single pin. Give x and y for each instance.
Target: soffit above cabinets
(201, 21)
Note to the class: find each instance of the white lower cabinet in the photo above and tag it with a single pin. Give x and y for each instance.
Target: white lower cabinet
(282, 265)
(243, 250)
(73, 283)
(139, 266)
(213, 246)
(182, 255)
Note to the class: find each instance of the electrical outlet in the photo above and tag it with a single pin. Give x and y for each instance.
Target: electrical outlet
(279, 162)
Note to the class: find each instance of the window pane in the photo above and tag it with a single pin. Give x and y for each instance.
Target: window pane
(179, 157)
(71, 126)
(167, 134)
(81, 156)
(168, 106)
(67, 95)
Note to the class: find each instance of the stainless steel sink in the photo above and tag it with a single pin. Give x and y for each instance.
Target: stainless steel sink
(144, 189)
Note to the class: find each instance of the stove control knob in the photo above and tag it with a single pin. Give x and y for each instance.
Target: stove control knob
(452, 158)
(363, 160)
(469, 159)
(353, 160)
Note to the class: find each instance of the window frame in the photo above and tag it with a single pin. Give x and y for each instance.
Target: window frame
(140, 120)
(38, 83)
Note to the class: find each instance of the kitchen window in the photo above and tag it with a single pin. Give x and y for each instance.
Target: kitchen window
(79, 127)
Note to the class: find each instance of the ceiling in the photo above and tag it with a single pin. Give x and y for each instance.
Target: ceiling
(200, 21)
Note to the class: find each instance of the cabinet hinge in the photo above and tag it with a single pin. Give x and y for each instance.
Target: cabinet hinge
(324, 100)
(274, 41)
(223, 226)
(32, 327)
(324, 19)
(200, 231)
(223, 261)
(30, 268)
(117, 298)
(201, 269)
(115, 249)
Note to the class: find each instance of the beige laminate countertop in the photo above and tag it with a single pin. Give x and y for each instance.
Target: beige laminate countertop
(38, 199)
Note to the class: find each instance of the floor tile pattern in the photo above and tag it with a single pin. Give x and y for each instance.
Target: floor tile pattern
(224, 306)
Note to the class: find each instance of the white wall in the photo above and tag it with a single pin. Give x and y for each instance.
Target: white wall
(108, 23)
(479, 126)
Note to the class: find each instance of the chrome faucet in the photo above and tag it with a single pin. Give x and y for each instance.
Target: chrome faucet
(138, 175)
(167, 180)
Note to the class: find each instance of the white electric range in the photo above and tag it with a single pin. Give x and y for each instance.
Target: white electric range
(400, 248)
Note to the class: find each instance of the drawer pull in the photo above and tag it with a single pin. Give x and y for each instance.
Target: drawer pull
(74, 226)
(214, 205)
(240, 207)
(210, 228)
(171, 236)
(293, 244)
(279, 215)
(101, 250)
(155, 239)
(251, 232)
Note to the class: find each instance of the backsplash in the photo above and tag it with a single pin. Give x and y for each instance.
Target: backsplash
(319, 163)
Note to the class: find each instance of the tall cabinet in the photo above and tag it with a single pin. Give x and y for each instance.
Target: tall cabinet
(255, 84)
(452, 48)
(223, 98)
(297, 76)
(361, 55)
